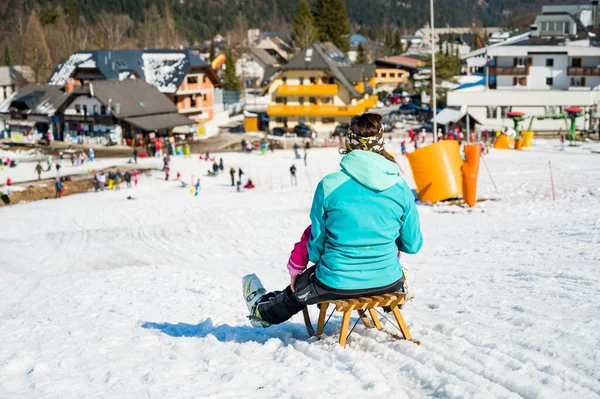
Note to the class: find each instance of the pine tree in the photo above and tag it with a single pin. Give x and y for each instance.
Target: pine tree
(331, 20)
(212, 53)
(7, 59)
(361, 55)
(397, 43)
(303, 26)
(388, 42)
(231, 80)
(35, 49)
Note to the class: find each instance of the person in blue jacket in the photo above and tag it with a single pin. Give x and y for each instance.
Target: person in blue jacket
(361, 217)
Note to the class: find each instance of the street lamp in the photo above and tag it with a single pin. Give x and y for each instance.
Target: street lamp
(434, 99)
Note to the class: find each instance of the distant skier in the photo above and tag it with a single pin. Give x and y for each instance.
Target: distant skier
(118, 180)
(187, 153)
(135, 178)
(296, 153)
(167, 173)
(38, 170)
(196, 187)
(293, 175)
(240, 173)
(562, 142)
(221, 166)
(59, 188)
(127, 177)
(135, 155)
(57, 170)
(232, 174)
(305, 154)
(166, 162)
(215, 168)
(92, 155)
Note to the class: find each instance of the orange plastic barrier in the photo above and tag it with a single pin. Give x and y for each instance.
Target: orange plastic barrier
(436, 169)
(503, 142)
(470, 172)
(518, 144)
(527, 138)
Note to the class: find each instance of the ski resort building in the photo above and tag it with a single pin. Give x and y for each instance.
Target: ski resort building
(535, 75)
(319, 87)
(179, 74)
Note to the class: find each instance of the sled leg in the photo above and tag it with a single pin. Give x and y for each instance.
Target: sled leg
(375, 319)
(403, 326)
(322, 314)
(345, 325)
(365, 319)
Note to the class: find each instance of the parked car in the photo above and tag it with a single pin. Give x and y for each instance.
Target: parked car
(278, 131)
(428, 127)
(387, 125)
(406, 109)
(304, 131)
(340, 130)
(393, 99)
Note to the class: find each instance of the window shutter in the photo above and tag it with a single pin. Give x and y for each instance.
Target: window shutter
(529, 61)
(515, 61)
(514, 80)
(523, 81)
(582, 82)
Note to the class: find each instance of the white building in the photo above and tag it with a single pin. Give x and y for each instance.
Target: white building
(253, 64)
(533, 75)
(564, 19)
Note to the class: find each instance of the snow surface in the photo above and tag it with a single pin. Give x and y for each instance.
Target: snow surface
(106, 297)
(63, 71)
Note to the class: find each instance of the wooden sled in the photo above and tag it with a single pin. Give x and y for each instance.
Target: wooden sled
(364, 306)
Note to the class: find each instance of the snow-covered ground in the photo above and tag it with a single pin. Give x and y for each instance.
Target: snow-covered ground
(101, 296)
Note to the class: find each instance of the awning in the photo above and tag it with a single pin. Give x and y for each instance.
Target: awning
(160, 121)
(21, 122)
(449, 115)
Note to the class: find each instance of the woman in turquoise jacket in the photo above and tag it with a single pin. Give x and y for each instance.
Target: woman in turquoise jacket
(361, 217)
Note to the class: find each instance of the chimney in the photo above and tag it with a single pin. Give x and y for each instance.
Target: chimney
(533, 29)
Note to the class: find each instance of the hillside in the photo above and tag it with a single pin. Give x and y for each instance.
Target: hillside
(201, 19)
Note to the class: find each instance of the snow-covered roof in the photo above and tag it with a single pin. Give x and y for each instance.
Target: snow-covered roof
(35, 100)
(164, 69)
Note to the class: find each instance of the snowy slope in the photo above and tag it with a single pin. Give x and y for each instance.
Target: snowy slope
(106, 297)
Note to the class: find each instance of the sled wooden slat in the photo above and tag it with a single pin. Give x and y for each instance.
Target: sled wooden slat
(365, 306)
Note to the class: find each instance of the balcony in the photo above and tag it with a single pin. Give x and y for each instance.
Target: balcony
(589, 71)
(322, 110)
(308, 90)
(512, 71)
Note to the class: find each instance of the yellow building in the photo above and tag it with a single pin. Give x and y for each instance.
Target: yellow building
(319, 87)
(390, 76)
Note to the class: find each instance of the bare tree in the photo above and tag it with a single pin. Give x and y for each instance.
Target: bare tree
(113, 28)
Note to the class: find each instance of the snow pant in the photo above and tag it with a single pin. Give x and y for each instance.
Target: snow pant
(294, 180)
(279, 306)
(232, 180)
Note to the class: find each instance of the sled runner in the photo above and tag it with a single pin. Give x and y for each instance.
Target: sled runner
(362, 305)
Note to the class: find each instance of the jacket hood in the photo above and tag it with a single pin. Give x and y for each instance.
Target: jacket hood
(371, 170)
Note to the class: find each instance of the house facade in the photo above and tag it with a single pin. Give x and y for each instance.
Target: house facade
(319, 88)
(534, 75)
(179, 74)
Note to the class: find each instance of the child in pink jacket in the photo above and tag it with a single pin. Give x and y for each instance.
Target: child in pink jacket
(299, 259)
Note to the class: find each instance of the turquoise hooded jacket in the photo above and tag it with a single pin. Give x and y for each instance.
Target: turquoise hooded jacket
(361, 217)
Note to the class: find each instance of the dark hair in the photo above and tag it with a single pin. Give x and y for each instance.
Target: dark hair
(367, 125)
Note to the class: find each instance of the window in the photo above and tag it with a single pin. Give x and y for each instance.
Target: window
(192, 79)
(278, 100)
(313, 119)
(301, 100)
(384, 75)
(95, 110)
(549, 81)
(521, 61)
(204, 97)
(284, 80)
(326, 100)
(576, 62)
(85, 111)
(544, 27)
(577, 82)
(327, 120)
(312, 100)
(549, 62)
(504, 111)
(78, 108)
(392, 75)
(567, 28)
(203, 79)
(491, 112)
(301, 80)
(313, 80)
(103, 110)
